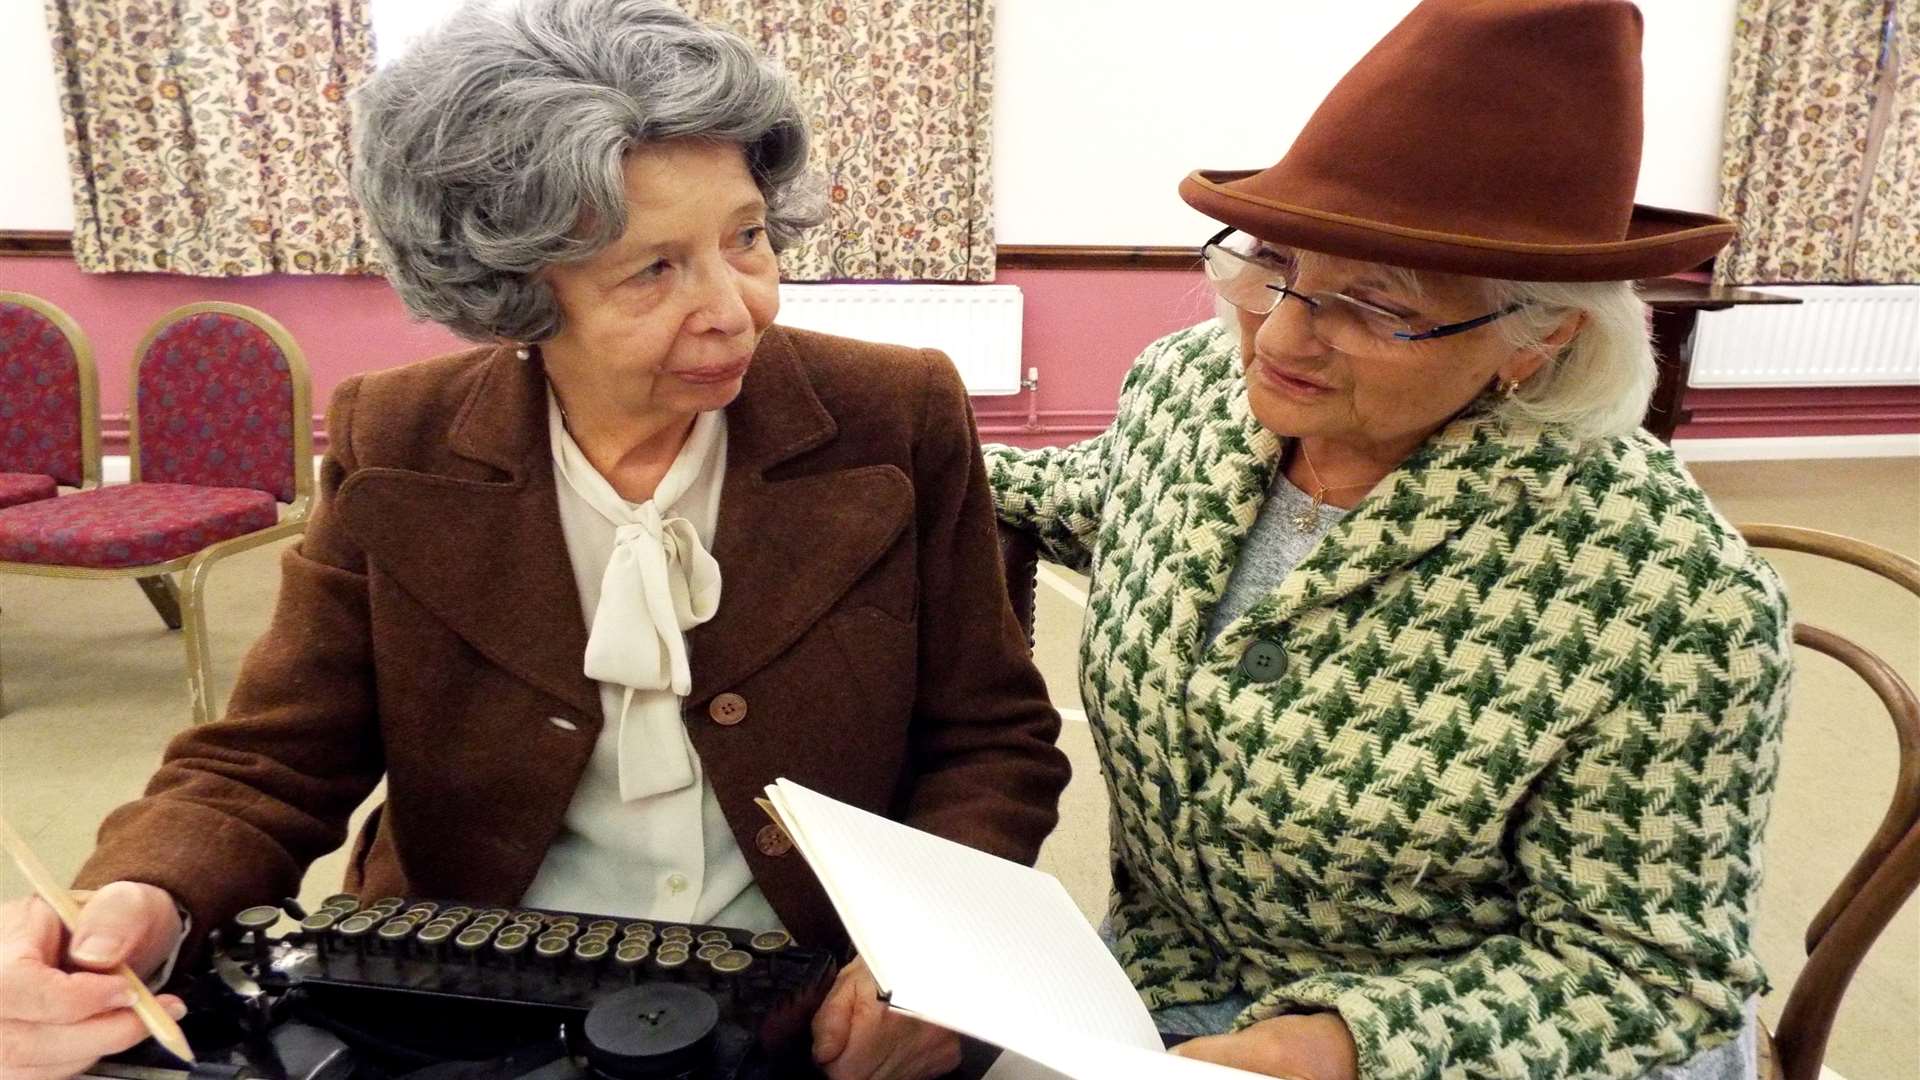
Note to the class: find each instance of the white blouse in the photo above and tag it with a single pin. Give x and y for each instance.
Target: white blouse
(644, 836)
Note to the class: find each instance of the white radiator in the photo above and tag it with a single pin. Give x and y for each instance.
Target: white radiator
(1838, 335)
(977, 325)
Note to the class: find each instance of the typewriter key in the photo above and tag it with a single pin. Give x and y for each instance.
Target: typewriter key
(390, 903)
(603, 924)
(708, 937)
(710, 950)
(671, 958)
(423, 912)
(731, 962)
(434, 937)
(770, 942)
(676, 933)
(555, 922)
(470, 942)
(457, 911)
(530, 918)
(510, 947)
(319, 923)
(605, 941)
(550, 947)
(637, 932)
(637, 926)
(355, 930)
(341, 899)
(630, 953)
(397, 931)
(590, 951)
(489, 923)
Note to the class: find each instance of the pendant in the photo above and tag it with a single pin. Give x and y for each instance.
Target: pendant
(1307, 519)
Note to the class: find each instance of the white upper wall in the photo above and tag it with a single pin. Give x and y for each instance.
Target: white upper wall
(1100, 105)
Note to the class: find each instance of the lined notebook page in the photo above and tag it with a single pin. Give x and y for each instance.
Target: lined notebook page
(969, 941)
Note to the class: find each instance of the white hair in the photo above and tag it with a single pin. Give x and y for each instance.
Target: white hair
(1595, 386)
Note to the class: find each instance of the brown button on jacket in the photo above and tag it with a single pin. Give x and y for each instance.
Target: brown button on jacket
(428, 630)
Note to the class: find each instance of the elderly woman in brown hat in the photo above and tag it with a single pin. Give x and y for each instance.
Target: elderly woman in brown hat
(1438, 709)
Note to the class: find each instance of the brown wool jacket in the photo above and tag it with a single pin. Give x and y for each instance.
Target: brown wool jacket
(428, 630)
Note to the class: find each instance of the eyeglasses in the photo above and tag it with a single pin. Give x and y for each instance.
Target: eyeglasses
(1256, 281)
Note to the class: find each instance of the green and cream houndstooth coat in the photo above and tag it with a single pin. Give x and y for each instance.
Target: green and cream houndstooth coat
(1487, 773)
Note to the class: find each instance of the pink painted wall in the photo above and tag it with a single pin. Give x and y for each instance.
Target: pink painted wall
(1082, 329)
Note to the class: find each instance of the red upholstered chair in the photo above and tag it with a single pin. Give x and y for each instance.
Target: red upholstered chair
(49, 402)
(222, 434)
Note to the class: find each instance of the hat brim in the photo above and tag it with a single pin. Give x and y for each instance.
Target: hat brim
(1658, 242)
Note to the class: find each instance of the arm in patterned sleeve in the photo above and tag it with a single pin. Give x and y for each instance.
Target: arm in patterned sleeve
(1638, 852)
(1057, 492)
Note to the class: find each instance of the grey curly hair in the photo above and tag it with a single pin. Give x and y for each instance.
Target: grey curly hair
(495, 146)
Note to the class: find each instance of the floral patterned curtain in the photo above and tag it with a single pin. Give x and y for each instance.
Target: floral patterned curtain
(1794, 165)
(899, 97)
(211, 138)
(1889, 243)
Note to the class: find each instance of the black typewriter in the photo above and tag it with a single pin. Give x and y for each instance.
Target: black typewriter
(429, 991)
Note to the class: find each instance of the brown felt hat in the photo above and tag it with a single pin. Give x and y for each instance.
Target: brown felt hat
(1499, 138)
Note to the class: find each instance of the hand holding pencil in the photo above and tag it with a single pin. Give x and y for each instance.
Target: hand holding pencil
(60, 1011)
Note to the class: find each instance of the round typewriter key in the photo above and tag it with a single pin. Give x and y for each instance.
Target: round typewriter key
(671, 959)
(423, 911)
(603, 924)
(630, 953)
(676, 933)
(551, 948)
(319, 923)
(391, 903)
(502, 913)
(530, 918)
(435, 935)
(590, 951)
(341, 899)
(357, 925)
(731, 962)
(450, 924)
(563, 920)
(470, 939)
(637, 926)
(638, 932)
(258, 918)
(771, 941)
(708, 937)
(510, 946)
(494, 921)
(710, 950)
(605, 941)
(457, 911)
(397, 929)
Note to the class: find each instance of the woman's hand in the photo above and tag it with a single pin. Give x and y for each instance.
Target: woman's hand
(856, 1037)
(1308, 1046)
(54, 1022)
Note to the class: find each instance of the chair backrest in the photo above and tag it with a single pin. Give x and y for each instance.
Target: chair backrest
(221, 399)
(49, 396)
(1886, 872)
(1020, 559)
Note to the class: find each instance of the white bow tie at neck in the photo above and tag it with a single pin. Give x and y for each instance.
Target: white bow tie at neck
(659, 583)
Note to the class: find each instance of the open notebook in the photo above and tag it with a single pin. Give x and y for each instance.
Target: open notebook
(979, 945)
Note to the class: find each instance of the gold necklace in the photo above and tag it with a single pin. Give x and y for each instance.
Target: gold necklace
(1307, 519)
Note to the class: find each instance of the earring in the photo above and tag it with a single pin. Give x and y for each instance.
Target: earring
(1510, 388)
(523, 353)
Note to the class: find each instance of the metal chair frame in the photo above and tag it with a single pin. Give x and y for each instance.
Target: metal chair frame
(89, 378)
(185, 607)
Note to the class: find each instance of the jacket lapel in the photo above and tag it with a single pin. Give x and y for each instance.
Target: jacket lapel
(1469, 471)
(789, 546)
(487, 557)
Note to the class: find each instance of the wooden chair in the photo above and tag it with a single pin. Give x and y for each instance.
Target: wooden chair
(222, 431)
(49, 402)
(1886, 872)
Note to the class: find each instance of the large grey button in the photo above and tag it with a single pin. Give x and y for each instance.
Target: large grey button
(1264, 661)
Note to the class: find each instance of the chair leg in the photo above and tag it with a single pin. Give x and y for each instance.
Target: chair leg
(164, 595)
(199, 651)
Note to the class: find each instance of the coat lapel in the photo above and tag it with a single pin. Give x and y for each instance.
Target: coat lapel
(1470, 470)
(487, 557)
(789, 546)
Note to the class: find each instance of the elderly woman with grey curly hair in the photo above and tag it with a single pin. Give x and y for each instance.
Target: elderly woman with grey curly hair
(579, 594)
(1438, 708)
